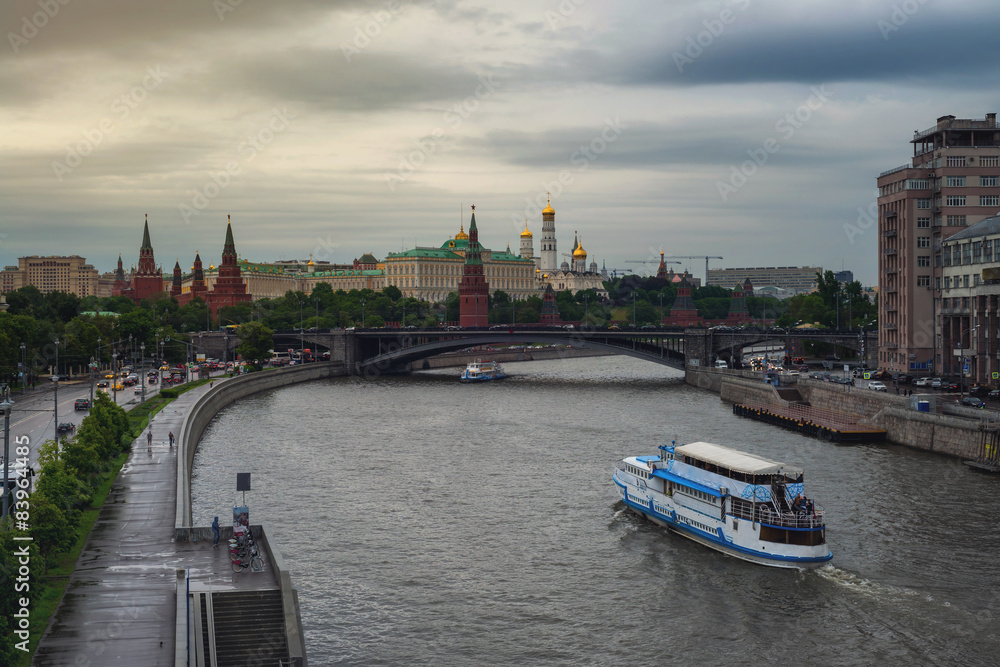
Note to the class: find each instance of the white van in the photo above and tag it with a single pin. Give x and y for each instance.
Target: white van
(721, 363)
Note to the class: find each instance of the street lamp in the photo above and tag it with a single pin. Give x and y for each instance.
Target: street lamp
(55, 396)
(142, 370)
(961, 354)
(114, 377)
(6, 407)
(301, 343)
(362, 312)
(24, 367)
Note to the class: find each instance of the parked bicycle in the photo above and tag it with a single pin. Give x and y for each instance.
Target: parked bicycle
(245, 555)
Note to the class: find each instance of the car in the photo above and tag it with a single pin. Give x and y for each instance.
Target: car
(832, 357)
(454, 328)
(877, 386)
(102, 384)
(151, 379)
(972, 402)
(903, 378)
(936, 383)
(979, 392)
(922, 382)
(994, 395)
(81, 404)
(949, 386)
(568, 326)
(614, 327)
(64, 428)
(497, 327)
(648, 327)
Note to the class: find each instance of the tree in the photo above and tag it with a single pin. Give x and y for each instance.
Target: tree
(256, 341)
(50, 529)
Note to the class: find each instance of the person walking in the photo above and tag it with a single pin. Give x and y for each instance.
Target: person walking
(171, 436)
(149, 437)
(215, 532)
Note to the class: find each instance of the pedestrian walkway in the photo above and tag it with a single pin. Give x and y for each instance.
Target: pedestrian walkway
(120, 604)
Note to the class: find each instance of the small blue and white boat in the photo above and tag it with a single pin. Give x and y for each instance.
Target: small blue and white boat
(737, 503)
(482, 371)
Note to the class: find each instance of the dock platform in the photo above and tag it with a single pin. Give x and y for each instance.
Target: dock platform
(817, 422)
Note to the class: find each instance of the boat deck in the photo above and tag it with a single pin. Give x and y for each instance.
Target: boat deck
(817, 422)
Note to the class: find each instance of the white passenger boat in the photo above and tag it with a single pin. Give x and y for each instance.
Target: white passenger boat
(737, 503)
(482, 371)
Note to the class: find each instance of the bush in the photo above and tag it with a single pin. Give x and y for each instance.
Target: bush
(170, 393)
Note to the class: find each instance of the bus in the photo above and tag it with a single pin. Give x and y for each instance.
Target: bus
(280, 358)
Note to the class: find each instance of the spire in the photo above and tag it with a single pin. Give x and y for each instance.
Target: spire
(146, 244)
(229, 248)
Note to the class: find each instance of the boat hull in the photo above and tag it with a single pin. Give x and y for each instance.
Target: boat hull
(719, 542)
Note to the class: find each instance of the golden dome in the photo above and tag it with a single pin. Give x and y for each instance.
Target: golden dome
(310, 263)
(211, 267)
(548, 205)
(579, 253)
(526, 234)
(461, 233)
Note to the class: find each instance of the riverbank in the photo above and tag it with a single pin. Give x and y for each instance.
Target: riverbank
(951, 435)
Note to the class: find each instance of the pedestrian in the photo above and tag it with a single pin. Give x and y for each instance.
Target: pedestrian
(171, 436)
(215, 532)
(211, 383)
(149, 437)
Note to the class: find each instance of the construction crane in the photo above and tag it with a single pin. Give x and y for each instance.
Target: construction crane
(646, 262)
(614, 272)
(704, 257)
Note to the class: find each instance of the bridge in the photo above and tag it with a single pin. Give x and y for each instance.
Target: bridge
(374, 351)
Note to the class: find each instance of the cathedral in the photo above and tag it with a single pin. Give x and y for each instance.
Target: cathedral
(572, 274)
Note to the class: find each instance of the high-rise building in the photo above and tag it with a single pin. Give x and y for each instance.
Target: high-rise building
(952, 181)
(53, 273)
(799, 278)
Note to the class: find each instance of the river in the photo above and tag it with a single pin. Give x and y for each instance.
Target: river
(427, 522)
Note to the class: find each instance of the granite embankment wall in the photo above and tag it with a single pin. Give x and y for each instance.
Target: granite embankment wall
(945, 434)
(464, 358)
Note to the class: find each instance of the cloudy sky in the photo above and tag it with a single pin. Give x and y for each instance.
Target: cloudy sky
(748, 129)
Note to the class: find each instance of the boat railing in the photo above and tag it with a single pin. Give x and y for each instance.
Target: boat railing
(766, 514)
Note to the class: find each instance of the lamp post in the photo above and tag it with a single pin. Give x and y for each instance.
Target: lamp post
(24, 367)
(362, 312)
(301, 343)
(114, 377)
(6, 407)
(961, 360)
(55, 395)
(142, 371)
(633, 308)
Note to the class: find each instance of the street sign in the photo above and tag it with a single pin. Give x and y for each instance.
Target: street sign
(868, 376)
(996, 375)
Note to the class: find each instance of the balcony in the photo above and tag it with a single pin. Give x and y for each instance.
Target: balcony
(890, 232)
(889, 346)
(895, 169)
(890, 327)
(890, 251)
(890, 214)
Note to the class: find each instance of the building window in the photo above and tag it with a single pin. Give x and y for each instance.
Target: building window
(956, 161)
(955, 200)
(988, 251)
(918, 184)
(989, 161)
(937, 283)
(989, 181)
(966, 254)
(923, 281)
(923, 223)
(923, 203)
(923, 242)
(923, 260)
(956, 181)
(947, 282)
(989, 200)
(975, 279)
(956, 220)
(965, 299)
(977, 252)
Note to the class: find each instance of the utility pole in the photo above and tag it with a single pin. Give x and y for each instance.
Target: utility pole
(55, 396)
(142, 371)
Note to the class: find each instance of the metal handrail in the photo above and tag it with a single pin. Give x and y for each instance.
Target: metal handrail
(765, 514)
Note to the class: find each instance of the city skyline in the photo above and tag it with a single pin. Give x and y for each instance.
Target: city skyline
(748, 130)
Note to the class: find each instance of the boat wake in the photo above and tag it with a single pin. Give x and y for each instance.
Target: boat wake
(851, 581)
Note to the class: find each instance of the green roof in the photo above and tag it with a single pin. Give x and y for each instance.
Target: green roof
(455, 243)
(368, 258)
(503, 256)
(439, 253)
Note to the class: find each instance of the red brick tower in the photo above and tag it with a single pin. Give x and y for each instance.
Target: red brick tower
(550, 309)
(148, 280)
(120, 286)
(473, 290)
(661, 270)
(198, 288)
(229, 288)
(175, 287)
(683, 312)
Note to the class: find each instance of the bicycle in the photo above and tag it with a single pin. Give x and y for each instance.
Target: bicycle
(246, 556)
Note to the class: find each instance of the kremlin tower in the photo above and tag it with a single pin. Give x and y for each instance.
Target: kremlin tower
(229, 288)
(527, 243)
(473, 290)
(146, 281)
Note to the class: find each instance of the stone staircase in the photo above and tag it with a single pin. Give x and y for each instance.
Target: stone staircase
(790, 396)
(249, 628)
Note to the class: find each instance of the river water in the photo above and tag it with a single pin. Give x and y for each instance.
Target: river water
(431, 523)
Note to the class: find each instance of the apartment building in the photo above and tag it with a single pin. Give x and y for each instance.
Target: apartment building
(951, 182)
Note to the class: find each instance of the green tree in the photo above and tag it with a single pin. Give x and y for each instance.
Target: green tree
(256, 341)
(50, 528)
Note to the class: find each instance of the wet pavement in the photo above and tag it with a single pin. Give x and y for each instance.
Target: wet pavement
(119, 605)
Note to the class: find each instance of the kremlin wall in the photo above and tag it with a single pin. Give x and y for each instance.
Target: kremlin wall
(461, 263)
